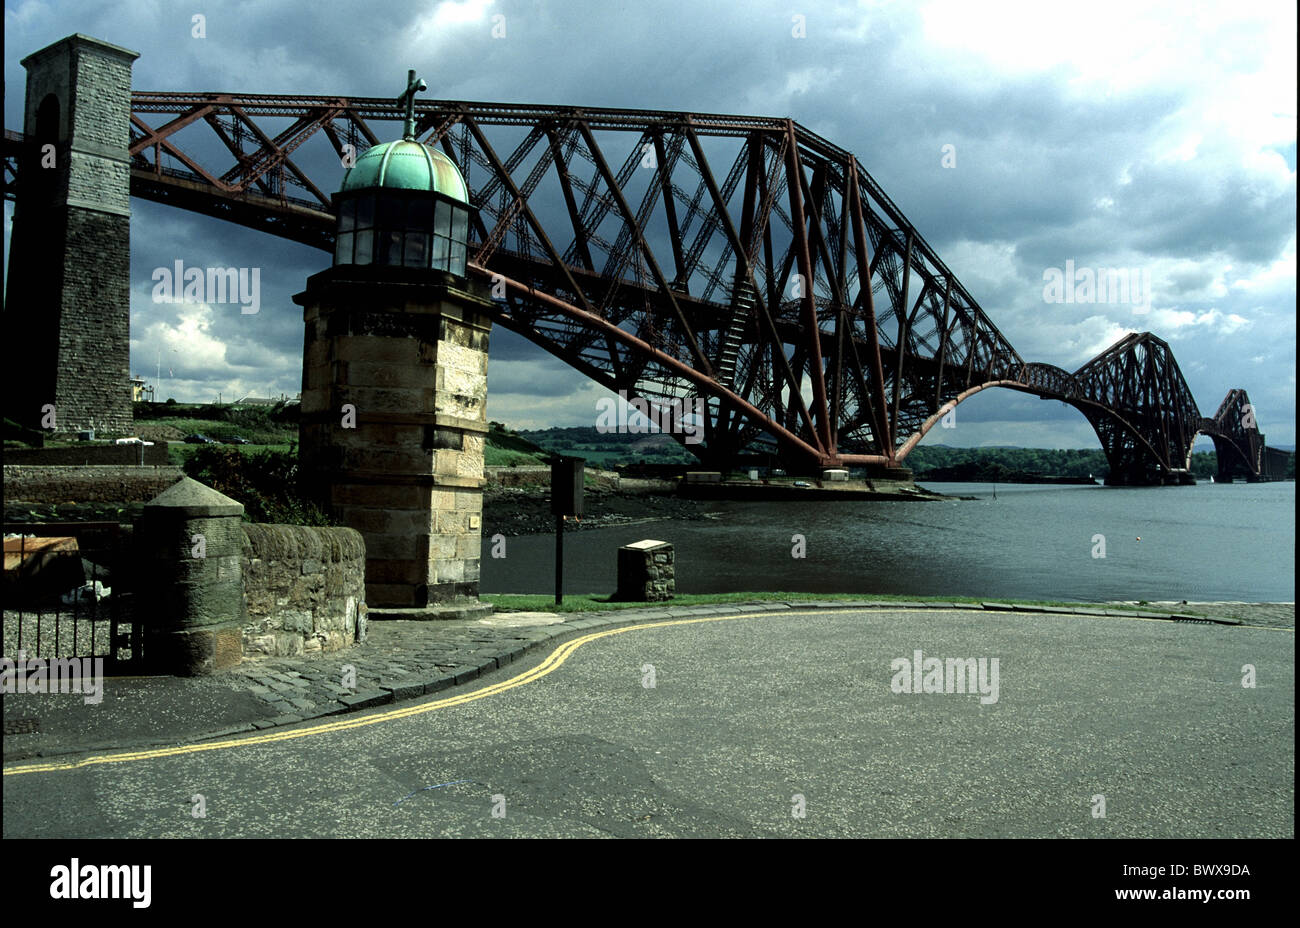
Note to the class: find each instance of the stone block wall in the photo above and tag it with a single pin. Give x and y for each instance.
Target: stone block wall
(67, 311)
(646, 572)
(405, 353)
(304, 589)
(102, 483)
(83, 453)
(93, 390)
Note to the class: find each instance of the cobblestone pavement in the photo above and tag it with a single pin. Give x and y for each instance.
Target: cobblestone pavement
(400, 659)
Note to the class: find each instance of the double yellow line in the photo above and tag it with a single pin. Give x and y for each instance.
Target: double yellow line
(550, 665)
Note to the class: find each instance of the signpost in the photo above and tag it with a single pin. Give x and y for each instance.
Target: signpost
(566, 500)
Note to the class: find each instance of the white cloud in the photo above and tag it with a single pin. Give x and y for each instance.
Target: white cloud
(190, 336)
(1171, 322)
(1279, 274)
(433, 27)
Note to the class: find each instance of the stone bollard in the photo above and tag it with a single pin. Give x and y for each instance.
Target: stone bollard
(190, 595)
(646, 572)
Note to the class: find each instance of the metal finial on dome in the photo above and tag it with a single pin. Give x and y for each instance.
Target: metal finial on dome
(407, 99)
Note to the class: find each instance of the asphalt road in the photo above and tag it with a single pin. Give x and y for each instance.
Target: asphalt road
(744, 715)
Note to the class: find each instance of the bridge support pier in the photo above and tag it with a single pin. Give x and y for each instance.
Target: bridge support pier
(888, 472)
(67, 310)
(1149, 478)
(394, 414)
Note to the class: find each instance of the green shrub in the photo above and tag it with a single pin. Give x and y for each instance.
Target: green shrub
(266, 482)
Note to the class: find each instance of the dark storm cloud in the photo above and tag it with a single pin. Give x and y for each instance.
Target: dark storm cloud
(509, 346)
(1027, 155)
(1175, 209)
(520, 368)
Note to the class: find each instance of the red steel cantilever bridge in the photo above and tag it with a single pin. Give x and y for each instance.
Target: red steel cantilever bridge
(672, 255)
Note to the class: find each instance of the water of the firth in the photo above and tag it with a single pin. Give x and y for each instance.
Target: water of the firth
(1205, 542)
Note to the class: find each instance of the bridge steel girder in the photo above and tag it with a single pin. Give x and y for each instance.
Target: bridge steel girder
(1137, 402)
(1137, 382)
(733, 230)
(1238, 443)
(657, 252)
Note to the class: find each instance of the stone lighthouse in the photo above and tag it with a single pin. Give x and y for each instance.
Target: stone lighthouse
(394, 387)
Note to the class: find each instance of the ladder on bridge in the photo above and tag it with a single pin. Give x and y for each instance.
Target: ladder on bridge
(733, 336)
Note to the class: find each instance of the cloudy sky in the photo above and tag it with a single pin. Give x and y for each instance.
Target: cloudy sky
(1152, 136)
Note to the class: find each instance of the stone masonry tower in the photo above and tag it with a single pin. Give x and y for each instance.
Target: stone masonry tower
(395, 380)
(67, 312)
(393, 424)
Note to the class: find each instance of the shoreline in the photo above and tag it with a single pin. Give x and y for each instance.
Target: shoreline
(513, 511)
(1278, 615)
(524, 508)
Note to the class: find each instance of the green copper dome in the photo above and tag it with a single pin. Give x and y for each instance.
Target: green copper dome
(406, 165)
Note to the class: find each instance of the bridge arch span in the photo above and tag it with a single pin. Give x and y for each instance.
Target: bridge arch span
(937, 416)
(1094, 412)
(1228, 454)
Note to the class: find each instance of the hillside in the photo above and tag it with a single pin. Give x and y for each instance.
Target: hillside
(504, 448)
(276, 428)
(610, 449)
(940, 462)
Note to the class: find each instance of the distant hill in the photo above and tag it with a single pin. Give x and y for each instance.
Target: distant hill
(610, 449)
(988, 462)
(504, 448)
(1005, 463)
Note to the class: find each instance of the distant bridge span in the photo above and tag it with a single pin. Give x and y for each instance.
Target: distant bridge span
(671, 254)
